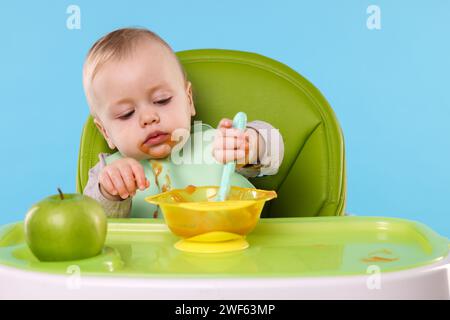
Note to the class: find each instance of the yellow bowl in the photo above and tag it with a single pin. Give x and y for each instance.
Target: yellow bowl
(192, 211)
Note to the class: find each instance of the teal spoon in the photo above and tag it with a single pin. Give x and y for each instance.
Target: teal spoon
(239, 122)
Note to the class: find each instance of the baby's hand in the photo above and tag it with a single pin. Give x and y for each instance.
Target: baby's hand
(231, 144)
(121, 178)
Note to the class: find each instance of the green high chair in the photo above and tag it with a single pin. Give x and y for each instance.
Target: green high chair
(311, 180)
(304, 248)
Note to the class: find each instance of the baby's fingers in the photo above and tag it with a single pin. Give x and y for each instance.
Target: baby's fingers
(139, 175)
(225, 123)
(128, 179)
(107, 184)
(232, 133)
(228, 143)
(225, 156)
(119, 185)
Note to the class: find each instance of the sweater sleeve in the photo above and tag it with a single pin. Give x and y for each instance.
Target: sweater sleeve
(113, 208)
(271, 156)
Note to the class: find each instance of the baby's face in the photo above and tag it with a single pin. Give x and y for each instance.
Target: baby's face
(139, 96)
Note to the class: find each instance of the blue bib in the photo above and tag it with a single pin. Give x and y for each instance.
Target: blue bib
(193, 165)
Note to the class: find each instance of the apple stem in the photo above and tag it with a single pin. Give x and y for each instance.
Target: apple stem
(61, 194)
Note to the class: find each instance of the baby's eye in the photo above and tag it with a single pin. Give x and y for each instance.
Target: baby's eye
(127, 115)
(164, 101)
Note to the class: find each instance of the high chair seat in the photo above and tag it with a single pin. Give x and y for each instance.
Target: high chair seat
(311, 180)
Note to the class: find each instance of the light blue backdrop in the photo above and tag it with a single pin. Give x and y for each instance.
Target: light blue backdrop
(389, 87)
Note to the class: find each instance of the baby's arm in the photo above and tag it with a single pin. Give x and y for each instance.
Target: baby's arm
(113, 208)
(271, 152)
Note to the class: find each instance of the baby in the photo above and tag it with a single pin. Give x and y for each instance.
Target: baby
(139, 96)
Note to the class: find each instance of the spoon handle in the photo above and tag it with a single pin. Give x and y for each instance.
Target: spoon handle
(239, 122)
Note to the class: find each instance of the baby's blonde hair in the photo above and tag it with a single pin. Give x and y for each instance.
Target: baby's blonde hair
(115, 45)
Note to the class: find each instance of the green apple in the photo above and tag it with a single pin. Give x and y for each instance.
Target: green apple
(66, 227)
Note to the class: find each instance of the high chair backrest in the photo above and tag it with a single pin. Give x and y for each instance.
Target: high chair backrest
(311, 180)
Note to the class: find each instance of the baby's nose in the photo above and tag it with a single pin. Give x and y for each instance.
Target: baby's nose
(148, 118)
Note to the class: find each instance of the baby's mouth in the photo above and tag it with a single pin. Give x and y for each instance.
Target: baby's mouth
(156, 138)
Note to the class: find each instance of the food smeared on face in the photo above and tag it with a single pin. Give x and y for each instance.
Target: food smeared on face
(156, 150)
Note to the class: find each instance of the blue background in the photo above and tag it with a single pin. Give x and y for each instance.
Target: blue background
(388, 87)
